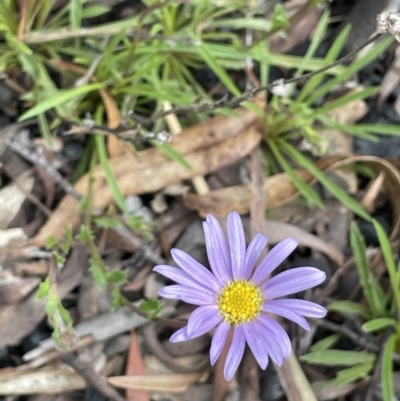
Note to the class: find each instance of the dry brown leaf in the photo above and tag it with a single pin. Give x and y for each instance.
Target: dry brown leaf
(13, 289)
(279, 189)
(12, 197)
(135, 366)
(114, 145)
(206, 146)
(372, 192)
(17, 321)
(277, 231)
(299, 31)
(51, 379)
(171, 383)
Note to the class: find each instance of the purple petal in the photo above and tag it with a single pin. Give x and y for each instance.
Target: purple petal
(301, 307)
(203, 319)
(216, 251)
(278, 335)
(237, 244)
(187, 294)
(179, 276)
(292, 281)
(273, 259)
(179, 335)
(253, 252)
(218, 341)
(195, 269)
(235, 353)
(257, 345)
(222, 243)
(287, 313)
(273, 349)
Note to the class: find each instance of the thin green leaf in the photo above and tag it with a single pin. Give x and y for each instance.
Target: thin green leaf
(359, 249)
(387, 369)
(318, 36)
(331, 56)
(349, 307)
(335, 190)
(172, 154)
(94, 11)
(75, 13)
(303, 187)
(334, 357)
(43, 289)
(378, 324)
(343, 100)
(389, 260)
(326, 342)
(380, 129)
(61, 97)
(217, 69)
(98, 274)
(351, 374)
(110, 177)
(355, 66)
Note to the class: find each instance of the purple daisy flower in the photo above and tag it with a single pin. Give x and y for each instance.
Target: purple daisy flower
(239, 296)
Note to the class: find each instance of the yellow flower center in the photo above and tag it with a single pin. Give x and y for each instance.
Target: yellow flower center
(239, 301)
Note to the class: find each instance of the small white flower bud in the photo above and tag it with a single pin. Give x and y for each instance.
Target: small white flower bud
(389, 22)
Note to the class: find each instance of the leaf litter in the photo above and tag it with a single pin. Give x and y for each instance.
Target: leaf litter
(225, 154)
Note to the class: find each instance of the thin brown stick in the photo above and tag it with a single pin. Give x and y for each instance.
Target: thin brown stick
(39, 160)
(91, 377)
(355, 337)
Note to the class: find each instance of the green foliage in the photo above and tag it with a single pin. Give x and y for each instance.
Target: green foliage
(107, 222)
(387, 368)
(333, 357)
(371, 288)
(152, 307)
(378, 315)
(349, 307)
(326, 342)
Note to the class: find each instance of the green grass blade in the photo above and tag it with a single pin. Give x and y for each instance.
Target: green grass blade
(335, 190)
(359, 249)
(356, 66)
(335, 357)
(349, 307)
(110, 177)
(343, 100)
(60, 98)
(380, 129)
(389, 261)
(302, 186)
(387, 369)
(332, 55)
(378, 324)
(326, 342)
(318, 37)
(172, 154)
(215, 66)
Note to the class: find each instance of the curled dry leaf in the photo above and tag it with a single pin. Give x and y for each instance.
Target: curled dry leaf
(277, 231)
(114, 145)
(171, 383)
(12, 196)
(279, 189)
(207, 147)
(13, 289)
